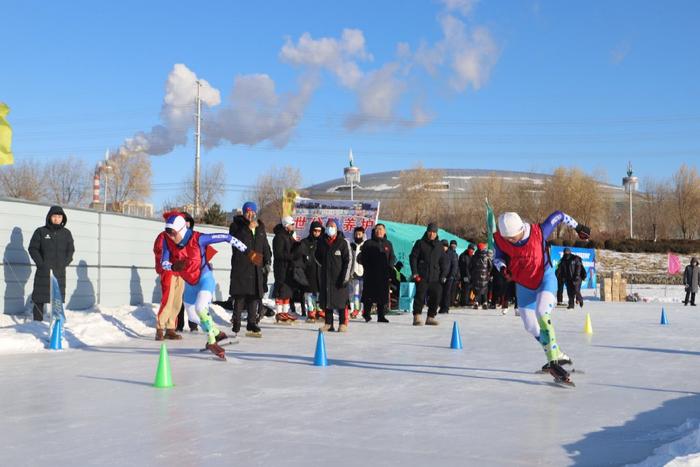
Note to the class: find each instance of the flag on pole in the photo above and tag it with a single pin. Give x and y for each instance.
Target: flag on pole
(290, 195)
(674, 264)
(490, 225)
(6, 157)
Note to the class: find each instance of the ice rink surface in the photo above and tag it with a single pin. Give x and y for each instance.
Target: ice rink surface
(393, 394)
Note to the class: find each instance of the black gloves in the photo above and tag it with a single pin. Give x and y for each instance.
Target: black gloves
(584, 232)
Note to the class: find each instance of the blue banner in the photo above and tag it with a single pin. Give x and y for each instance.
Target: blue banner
(587, 257)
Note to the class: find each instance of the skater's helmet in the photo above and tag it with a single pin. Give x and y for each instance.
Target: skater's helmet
(176, 223)
(510, 224)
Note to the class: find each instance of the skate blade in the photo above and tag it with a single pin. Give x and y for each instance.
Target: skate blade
(573, 370)
(284, 323)
(564, 384)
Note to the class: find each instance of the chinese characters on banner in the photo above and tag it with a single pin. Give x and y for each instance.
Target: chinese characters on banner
(349, 214)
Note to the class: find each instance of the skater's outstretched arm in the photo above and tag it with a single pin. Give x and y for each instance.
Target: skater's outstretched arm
(558, 217)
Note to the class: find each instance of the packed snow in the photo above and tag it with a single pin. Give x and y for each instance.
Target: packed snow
(392, 394)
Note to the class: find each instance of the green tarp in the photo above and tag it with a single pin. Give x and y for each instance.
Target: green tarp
(403, 236)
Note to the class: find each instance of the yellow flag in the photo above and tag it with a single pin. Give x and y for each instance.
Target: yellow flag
(290, 196)
(5, 137)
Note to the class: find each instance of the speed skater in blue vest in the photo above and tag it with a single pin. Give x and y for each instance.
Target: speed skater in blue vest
(522, 256)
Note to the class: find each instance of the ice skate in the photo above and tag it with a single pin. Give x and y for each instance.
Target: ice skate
(355, 314)
(252, 330)
(561, 376)
(217, 350)
(283, 318)
(311, 317)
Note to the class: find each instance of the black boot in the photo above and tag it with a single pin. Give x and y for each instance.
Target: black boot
(38, 311)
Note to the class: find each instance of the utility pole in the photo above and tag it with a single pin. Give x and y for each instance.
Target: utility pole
(197, 137)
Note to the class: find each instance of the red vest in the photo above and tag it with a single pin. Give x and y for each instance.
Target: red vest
(196, 259)
(176, 254)
(526, 262)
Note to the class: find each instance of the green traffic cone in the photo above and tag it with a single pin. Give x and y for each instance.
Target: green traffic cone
(163, 378)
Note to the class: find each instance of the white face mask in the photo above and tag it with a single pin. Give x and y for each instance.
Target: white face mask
(331, 231)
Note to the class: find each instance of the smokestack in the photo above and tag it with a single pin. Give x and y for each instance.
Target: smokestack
(96, 187)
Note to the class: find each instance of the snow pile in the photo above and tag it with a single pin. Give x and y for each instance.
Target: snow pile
(684, 451)
(657, 293)
(97, 326)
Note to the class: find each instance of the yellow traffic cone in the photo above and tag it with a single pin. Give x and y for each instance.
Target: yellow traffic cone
(588, 328)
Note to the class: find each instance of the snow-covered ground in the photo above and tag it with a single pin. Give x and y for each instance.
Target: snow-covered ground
(393, 394)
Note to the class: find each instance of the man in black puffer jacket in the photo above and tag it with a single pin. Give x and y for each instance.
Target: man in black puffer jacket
(573, 273)
(428, 269)
(51, 248)
(283, 258)
(248, 280)
(480, 274)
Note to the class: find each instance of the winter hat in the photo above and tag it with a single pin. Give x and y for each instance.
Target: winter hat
(510, 224)
(432, 227)
(567, 250)
(287, 220)
(249, 206)
(453, 242)
(176, 222)
(316, 225)
(445, 243)
(470, 247)
(482, 246)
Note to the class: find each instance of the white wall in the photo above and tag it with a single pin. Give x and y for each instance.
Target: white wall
(113, 262)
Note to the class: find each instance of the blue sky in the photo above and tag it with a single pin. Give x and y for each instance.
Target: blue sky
(508, 84)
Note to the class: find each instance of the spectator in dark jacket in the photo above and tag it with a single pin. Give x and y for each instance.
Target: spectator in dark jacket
(451, 262)
(427, 267)
(248, 280)
(377, 258)
(51, 248)
(465, 283)
(283, 258)
(333, 254)
(573, 273)
(312, 270)
(480, 274)
(691, 281)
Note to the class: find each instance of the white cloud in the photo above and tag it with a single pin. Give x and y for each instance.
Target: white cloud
(176, 114)
(336, 55)
(377, 96)
(620, 52)
(255, 112)
(461, 6)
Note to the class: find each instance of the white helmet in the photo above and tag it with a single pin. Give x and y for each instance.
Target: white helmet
(510, 224)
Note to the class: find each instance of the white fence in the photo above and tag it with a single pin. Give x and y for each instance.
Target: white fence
(113, 263)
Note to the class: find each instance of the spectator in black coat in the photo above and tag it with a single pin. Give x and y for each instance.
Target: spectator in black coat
(691, 281)
(333, 254)
(377, 258)
(312, 271)
(428, 269)
(451, 262)
(248, 280)
(464, 283)
(283, 258)
(51, 247)
(480, 274)
(573, 273)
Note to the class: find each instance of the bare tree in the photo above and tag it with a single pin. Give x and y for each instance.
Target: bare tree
(653, 207)
(23, 180)
(129, 179)
(418, 198)
(685, 197)
(212, 187)
(269, 191)
(68, 182)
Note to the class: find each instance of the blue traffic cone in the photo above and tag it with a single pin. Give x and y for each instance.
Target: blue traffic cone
(56, 336)
(663, 316)
(456, 339)
(320, 356)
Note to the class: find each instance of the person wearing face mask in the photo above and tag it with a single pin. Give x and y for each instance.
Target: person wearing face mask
(522, 256)
(573, 273)
(312, 270)
(691, 281)
(191, 260)
(356, 281)
(428, 269)
(333, 254)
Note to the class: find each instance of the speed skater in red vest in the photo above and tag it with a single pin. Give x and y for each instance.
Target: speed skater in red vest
(521, 255)
(193, 266)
